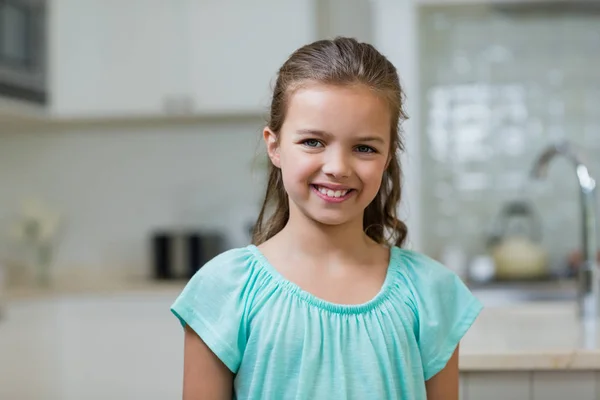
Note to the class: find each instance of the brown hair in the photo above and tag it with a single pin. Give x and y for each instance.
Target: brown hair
(341, 61)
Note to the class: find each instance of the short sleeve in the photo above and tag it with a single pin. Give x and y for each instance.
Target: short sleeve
(446, 310)
(213, 305)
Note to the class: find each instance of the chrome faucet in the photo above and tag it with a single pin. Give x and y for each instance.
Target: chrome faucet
(588, 275)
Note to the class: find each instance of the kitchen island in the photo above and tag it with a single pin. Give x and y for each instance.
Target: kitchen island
(119, 340)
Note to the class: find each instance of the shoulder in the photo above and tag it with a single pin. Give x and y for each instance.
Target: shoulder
(227, 274)
(233, 260)
(433, 288)
(231, 267)
(420, 268)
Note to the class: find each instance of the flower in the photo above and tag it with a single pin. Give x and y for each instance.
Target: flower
(36, 223)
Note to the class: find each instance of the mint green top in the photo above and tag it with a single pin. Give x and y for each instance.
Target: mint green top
(282, 342)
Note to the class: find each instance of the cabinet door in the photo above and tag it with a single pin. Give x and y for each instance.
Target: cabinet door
(113, 58)
(236, 47)
(122, 346)
(30, 352)
(558, 385)
(497, 386)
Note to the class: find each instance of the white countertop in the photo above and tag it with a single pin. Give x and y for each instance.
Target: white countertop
(527, 336)
(91, 287)
(531, 336)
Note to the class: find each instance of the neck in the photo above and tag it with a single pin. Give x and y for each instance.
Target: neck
(316, 239)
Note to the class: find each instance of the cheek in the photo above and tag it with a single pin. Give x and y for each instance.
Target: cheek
(298, 166)
(371, 174)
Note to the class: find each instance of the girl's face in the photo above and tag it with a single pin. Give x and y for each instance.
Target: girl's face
(332, 150)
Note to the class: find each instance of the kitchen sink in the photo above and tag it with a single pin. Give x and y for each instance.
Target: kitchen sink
(506, 294)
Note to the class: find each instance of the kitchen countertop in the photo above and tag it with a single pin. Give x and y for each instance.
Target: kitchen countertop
(91, 287)
(526, 336)
(531, 336)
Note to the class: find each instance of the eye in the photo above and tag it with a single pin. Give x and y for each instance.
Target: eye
(365, 149)
(311, 143)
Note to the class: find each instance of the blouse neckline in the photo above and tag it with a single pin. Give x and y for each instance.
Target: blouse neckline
(292, 288)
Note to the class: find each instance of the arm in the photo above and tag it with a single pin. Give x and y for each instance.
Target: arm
(444, 385)
(204, 375)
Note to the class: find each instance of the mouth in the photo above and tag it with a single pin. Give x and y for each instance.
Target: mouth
(332, 195)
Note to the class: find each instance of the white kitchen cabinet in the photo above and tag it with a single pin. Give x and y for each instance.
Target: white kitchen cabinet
(237, 46)
(462, 388)
(126, 346)
(497, 386)
(155, 57)
(29, 352)
(531, 385)
(551, 385)
(111, 58)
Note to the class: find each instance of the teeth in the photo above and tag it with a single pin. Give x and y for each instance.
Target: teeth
(332, 193)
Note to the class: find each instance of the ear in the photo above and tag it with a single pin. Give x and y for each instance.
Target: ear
(272, 144)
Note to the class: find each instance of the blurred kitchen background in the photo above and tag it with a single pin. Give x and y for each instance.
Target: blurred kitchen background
(498, 85)
(130, 153)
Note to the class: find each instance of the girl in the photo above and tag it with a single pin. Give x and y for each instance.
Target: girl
(326, 304)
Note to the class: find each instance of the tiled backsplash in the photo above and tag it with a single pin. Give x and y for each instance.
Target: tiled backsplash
(497, 87)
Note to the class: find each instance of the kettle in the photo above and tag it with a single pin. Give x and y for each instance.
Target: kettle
(518, 255)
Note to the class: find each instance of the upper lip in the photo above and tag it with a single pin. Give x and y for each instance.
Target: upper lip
(332, 186)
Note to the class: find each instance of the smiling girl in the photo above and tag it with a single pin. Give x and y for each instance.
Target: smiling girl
(326, 304)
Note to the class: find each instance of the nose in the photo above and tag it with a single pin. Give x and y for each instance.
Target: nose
(337, 165)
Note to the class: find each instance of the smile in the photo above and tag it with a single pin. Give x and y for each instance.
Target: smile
(331, 195)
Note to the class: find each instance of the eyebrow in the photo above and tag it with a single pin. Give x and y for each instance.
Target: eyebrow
(320, 133)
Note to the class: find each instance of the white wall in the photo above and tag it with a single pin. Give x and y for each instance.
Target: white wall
(115, 184)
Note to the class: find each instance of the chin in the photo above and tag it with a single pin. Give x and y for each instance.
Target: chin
(329, 221)
(329, 218)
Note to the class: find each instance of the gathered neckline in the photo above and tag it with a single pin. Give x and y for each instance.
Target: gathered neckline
(311, 299)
